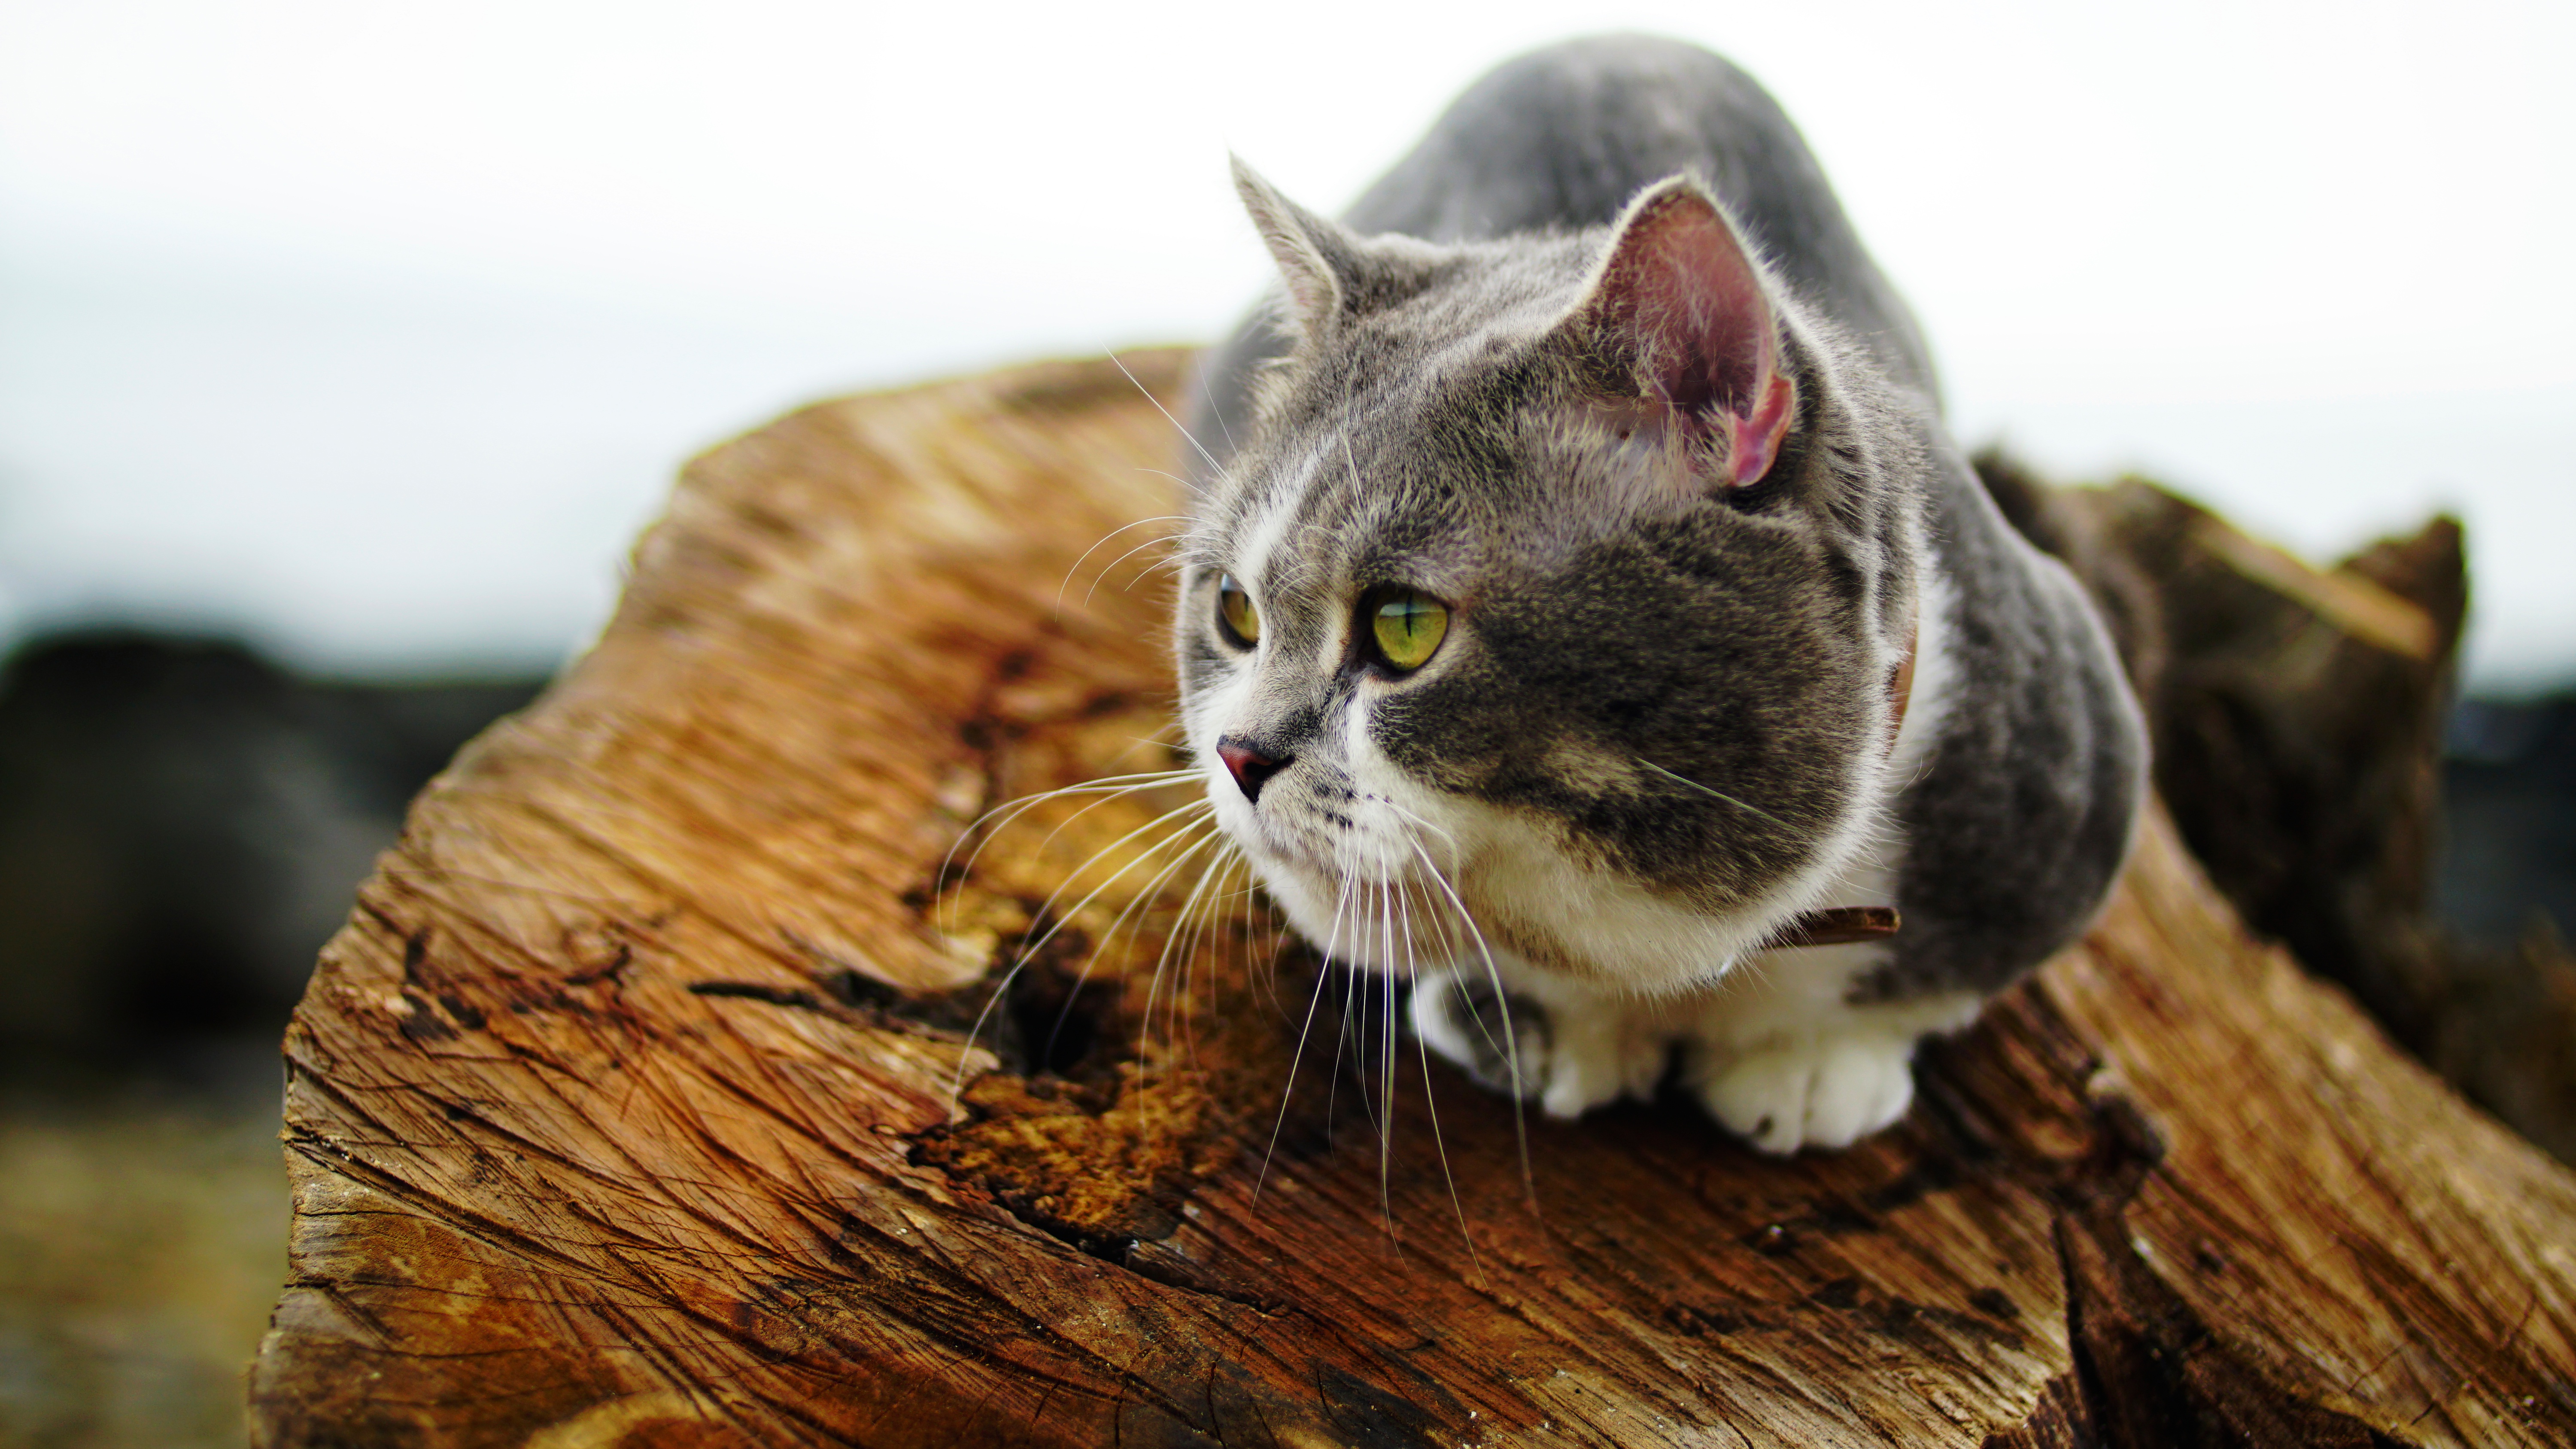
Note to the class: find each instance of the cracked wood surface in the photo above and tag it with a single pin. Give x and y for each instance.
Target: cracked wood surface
(627, 1109)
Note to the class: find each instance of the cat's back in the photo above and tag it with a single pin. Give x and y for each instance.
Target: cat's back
(1563, 138)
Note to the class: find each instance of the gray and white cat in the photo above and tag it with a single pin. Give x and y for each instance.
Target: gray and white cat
(1587, 593)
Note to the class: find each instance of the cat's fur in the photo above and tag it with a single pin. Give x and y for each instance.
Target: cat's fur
(1601, 365)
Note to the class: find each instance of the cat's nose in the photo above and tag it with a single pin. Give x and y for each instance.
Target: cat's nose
(1249, 766)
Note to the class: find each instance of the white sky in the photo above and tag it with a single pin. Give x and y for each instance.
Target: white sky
(376, 331)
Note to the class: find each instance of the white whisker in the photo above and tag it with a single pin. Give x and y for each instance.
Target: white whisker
(1108, 788)
(1297, 1058)
(1152, 780)
(1511, 1042)
(1717, 794)
(1431, 1108)
(1333, 1082)
(1180, 929)
(1217, 931)
(1386, 1062)
(1067, 581)
(1175, 565)
(1153, 890)
(1215, 467)
(1029, 950)
(1115, 562)
(1216, 412)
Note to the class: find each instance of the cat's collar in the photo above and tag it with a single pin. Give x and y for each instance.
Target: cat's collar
(1900, 684)
(1843, 925)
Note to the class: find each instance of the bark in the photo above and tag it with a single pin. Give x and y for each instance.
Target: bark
(692, 1073)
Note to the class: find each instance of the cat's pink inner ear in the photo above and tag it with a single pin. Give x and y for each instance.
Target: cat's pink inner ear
(1680, 297)
(1753, 440)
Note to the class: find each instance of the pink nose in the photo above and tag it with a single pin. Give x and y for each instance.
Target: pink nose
(1249, 767)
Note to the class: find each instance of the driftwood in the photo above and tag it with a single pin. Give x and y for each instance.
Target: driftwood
(627, 1108)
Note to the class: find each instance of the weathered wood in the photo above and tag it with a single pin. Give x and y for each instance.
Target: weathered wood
(624, 1109)
(2298, 716)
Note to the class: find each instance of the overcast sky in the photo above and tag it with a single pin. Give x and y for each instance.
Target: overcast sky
(376, 331)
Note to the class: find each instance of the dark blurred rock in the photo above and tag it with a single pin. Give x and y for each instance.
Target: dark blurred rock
(2509, 818)
(182, 824)
(2506, 892)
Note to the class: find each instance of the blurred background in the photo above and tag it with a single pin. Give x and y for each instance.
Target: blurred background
(344, 348)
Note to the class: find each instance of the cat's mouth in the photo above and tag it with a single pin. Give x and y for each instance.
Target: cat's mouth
(1337, 860)
(1385, 919)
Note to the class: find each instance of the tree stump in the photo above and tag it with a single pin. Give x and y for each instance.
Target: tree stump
(697, 1070)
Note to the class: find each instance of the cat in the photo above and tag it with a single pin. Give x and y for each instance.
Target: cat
(1579, 594)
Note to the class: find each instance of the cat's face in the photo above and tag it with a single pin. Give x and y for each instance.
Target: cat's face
(1468, 620)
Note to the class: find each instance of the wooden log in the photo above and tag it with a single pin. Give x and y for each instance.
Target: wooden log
(2297, 716)
(692, 1073)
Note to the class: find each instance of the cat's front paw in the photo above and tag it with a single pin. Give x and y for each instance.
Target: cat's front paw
(1810, 1091)
(1569, 1061)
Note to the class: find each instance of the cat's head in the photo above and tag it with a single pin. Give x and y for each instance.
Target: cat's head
(1562, 577)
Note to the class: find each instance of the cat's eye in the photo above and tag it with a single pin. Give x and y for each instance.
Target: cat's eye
(1234, 611)
(1408, 626)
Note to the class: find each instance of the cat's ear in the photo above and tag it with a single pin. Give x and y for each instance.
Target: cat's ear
(1678, 308)
(1316, 256)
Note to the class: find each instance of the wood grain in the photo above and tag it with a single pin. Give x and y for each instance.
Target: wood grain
(636, 1104)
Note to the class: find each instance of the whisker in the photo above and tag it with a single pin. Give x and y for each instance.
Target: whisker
(1115, 562)
(1297, 1058)
(1189, 934)
(1163, 957)
(1215, 467)
(1028, 951)
(1333, 1083)
(1288, 1088)
(1180, 518)
(1370, 1106)
(1016, 805)
(1211, 932)
(1409, 817)
(1196, 929)
(1176, 565)
(1386, 1063)
(1511, 1042)
(1264, 976)
(1431, 1108)
(1132, 911)
(1224, 920)
(1152, 892)
(1719, 794)
(1109, 788)
(1209, 394)
(1147, 781)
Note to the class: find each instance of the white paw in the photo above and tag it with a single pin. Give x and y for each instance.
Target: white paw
(1569, 1060)
(1599, 1056)
(1816, 1091)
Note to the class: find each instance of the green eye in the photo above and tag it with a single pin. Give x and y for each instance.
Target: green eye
(1409, 626)
(1234, 610)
